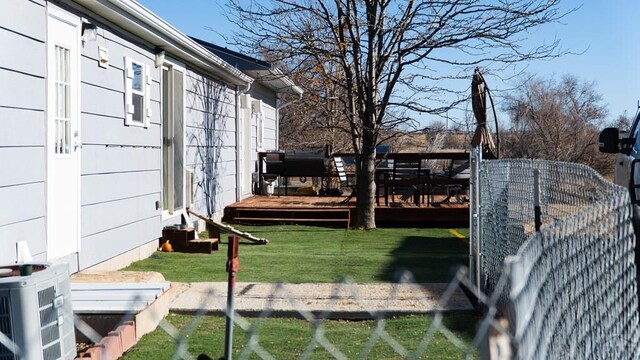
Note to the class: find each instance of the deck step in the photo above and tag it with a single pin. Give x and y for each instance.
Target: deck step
(294, 220)
(240, 218)
(200, 246)
(250, 221)
(292, 216)
(204, 246)
(396, 213)
(183, 240)
(297, 210)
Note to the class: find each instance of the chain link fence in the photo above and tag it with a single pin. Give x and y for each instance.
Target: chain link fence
(569, 290)
(558, 283)
(345, 294)
(507, 205)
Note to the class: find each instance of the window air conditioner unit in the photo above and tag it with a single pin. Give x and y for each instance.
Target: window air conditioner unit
(256, 106)
(245, 101)
(36, 313)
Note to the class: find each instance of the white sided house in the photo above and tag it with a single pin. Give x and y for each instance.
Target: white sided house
(114, 123)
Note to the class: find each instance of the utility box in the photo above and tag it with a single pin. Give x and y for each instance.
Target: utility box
(36, 313)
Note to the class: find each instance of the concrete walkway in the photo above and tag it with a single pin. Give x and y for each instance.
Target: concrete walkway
(345, 301)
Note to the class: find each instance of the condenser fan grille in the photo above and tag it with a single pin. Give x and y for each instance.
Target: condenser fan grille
(49, 331)
(5, 326)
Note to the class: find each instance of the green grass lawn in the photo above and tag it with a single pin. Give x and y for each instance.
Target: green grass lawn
(300, 254)
(288, 338)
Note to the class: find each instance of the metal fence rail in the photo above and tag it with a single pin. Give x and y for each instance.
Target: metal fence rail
(570, 290)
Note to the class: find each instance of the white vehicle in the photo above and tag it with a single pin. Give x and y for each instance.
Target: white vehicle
(626, 146)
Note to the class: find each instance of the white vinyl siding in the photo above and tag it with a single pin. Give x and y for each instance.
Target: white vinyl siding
(121, 178)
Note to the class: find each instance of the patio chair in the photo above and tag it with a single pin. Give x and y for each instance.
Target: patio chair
(458, 170)
(408, 180)
(344, 178)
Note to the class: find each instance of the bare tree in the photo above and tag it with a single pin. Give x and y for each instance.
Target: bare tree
(623, 122)
(392, 59)
(557, 120)
(318, 118)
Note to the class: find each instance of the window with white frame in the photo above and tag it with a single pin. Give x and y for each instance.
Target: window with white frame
(62, 95)
(137, 83)
(257, 109)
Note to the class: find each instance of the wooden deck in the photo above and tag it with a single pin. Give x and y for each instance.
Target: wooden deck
(326, 210)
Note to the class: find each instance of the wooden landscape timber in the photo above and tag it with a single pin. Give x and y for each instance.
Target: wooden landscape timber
(231, 229)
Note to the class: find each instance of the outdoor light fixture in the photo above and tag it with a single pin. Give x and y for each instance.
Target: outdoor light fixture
(89, 31)
(159, 57)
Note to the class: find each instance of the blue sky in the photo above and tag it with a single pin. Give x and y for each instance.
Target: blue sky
(606, 31)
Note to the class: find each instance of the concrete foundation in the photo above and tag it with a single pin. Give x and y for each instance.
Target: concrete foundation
(127, 258)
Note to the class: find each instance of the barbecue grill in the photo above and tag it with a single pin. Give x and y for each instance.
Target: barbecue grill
(275, 162)
(295, 163)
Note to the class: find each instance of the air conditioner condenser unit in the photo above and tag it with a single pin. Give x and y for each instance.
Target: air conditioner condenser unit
(36, 313)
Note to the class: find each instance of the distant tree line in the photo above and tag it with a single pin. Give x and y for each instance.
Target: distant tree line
(558, 119)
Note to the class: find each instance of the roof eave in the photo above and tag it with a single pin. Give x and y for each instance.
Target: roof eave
(276, 80)
(141, 22)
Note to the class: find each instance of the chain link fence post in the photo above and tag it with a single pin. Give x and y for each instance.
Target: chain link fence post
(479, 248)
(536, 199)
(474, 218)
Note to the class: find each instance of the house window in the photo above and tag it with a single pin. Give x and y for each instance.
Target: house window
(137, 93)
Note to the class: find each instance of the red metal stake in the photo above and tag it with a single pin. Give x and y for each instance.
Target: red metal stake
(232, 268)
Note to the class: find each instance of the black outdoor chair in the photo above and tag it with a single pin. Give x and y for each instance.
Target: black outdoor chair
(457, 170)
(409, 178)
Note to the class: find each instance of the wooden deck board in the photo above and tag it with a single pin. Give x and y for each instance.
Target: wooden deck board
(398, 211)
(292, 201)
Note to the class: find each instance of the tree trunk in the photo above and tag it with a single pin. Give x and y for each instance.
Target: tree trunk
(366, 185)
